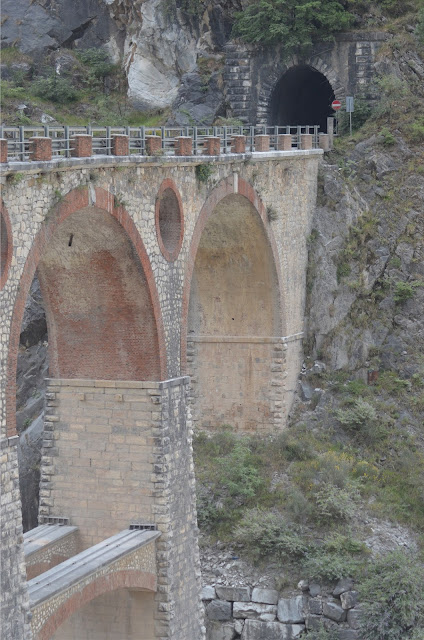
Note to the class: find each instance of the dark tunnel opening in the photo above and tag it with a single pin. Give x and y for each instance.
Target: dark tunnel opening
(302, 96)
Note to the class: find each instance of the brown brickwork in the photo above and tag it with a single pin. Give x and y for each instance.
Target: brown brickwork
(120, 145)
(324, 141)
(306, 141)
(225, 188)
(40, 149)
(74, 201)
(82, 146)
(128, 579)
(6, 242)
(238, 144)
(183, 146)
(212, 146)
(153, 145)
(3, 150)
(284, 142)
(169, 219)
(262, 143)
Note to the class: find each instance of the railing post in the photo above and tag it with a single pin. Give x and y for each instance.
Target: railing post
(21, 144)
(195, 141)
(67, 142)
(252, 138)
(108, 142)
(142, 140)
(162, 135)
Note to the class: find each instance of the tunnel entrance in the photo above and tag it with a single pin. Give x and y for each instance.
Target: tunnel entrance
(303, 95)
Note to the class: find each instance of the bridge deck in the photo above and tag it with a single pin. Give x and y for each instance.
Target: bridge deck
(44, 536)
(81, 566)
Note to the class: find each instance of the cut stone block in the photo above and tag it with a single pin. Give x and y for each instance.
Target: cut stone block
(349, 599)
(266, 596)
(252, 609)
(208, 593)
(218, 610)
(334, 611)
(257, 630)
(290, 610)
(233, 594)
(344, 584)
(220, 630)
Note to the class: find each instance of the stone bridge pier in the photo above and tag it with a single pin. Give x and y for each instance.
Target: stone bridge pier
(173, 301)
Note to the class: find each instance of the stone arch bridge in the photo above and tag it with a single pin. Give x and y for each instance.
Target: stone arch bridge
(174, 289)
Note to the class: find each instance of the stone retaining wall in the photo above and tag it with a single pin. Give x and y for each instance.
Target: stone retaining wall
(258, 613)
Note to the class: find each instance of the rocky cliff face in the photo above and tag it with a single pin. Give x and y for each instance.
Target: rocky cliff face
(161, 45)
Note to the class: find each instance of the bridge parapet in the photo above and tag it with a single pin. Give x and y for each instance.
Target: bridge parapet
(127, 560)
(20, 144)
(48, 545)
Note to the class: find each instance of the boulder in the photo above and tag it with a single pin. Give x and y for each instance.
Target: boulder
(344, 584)
(349, 599)
(334, 611)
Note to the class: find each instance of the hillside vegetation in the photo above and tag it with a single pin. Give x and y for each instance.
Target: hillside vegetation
(341, 491)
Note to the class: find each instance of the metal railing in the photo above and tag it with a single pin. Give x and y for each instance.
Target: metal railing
(18, 138)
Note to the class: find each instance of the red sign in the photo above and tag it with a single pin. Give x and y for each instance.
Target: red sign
(336, 105)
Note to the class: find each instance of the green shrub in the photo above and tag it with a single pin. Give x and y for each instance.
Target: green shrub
(387, 138)
(404, 291)
(358, 416)
(295, 24)
(97, 61)
(322, 634)
(419, 31)
(238, 473)
(55, 88)
(320, 564)
(203, 172)
(268, 534)
(334, 504)
(392, 598)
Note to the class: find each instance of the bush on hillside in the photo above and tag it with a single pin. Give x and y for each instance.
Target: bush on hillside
(293, 23)
(392, 599)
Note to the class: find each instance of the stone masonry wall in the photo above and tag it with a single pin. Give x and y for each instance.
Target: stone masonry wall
(15, 615)
(253, 614)
(98, 451)
(179, 603)
(237, 381)
(285, 181)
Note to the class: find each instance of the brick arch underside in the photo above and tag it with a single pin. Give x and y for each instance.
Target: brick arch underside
(234, 311)
(112, 584)
(6, 243)
(102, 307)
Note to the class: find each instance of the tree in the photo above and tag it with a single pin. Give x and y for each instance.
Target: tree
(293, 23)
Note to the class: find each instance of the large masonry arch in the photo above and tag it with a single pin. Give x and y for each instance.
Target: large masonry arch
(234, 313)
(88, 295)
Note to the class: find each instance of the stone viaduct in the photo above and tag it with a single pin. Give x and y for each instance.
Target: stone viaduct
(171, 300)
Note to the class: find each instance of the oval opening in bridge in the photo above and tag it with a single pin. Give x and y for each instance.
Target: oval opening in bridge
(302, 96)
(169, 220)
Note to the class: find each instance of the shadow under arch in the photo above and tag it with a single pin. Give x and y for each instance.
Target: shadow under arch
(124, 579)
(74, 202)
(232, 312)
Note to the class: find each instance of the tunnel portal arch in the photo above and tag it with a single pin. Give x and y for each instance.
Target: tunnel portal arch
(302, 96)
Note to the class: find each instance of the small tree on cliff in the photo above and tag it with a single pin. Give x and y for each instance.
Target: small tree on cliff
(293, 23)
